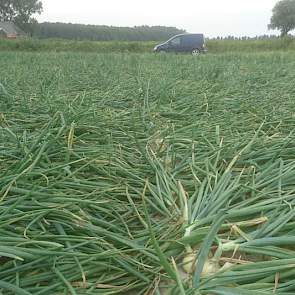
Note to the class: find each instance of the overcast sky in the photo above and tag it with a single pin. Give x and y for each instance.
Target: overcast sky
(211, 17)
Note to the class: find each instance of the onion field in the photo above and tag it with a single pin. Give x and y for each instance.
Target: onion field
(147, 174)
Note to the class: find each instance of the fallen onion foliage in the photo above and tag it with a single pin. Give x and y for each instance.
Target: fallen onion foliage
(115, 168)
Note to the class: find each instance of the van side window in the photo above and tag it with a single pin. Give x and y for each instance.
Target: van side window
(176, 41)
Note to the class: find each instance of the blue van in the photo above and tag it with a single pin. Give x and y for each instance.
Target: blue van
(189, 43)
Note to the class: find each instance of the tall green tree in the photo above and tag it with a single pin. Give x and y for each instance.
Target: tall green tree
(20, 12)
(283, 17)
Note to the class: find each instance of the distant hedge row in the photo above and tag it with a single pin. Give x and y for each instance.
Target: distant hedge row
(75, 46)
(272, 44)
(214, 46)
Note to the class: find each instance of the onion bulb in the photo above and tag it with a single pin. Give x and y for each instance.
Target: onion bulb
(189, 262)
(210, 266)
(227, 266)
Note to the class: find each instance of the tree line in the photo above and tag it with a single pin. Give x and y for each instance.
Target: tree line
(260, 37)
(103, 33)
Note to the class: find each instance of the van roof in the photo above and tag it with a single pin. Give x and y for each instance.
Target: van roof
(190, 34)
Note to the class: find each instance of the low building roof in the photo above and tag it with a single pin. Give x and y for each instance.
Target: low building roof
(11, 29)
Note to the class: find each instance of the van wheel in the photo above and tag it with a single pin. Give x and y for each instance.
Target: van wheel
(196, 52)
